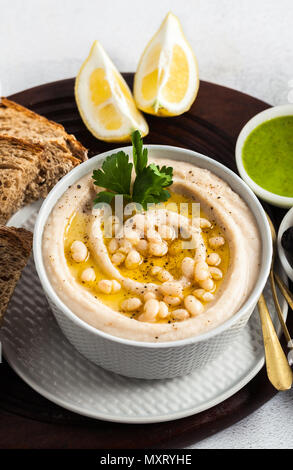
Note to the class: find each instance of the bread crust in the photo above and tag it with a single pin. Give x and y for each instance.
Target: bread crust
(19, 167)
(19, 237)
(57, 152)
(15, 249)
(79, 152)
(41, 159)
(34, 148)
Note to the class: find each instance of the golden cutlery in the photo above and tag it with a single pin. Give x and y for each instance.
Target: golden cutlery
(284, 290)
(273, 285)
(278, 369)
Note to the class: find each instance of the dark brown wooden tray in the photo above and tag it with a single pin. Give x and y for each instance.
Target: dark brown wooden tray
(27, 420)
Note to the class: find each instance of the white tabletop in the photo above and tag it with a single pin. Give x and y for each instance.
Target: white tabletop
(243, 44)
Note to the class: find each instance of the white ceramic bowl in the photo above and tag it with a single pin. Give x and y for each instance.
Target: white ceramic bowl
(271, 113)
(152, 360)
(286, 223)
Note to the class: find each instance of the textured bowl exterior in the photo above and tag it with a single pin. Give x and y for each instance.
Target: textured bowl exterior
(39, 352)
(143, 362)
(153, 360)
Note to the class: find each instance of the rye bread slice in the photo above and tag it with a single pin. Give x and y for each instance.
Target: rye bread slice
(62, 152)
(15, 248)
(55, 162)
(18, 121)
(19, 167)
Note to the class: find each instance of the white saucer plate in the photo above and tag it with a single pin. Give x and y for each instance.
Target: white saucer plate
(36, 349)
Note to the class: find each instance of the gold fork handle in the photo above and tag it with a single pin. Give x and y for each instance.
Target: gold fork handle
(278, 308)
(284, 290)
(278, 369)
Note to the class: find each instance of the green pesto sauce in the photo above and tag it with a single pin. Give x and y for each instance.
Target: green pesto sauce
(267, 155)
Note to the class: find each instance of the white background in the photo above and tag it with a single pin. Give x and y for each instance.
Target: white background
(244, 44)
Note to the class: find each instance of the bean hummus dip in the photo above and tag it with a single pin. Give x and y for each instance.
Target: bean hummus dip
(162, 274)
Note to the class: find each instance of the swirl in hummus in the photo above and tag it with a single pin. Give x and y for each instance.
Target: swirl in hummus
(162, 275)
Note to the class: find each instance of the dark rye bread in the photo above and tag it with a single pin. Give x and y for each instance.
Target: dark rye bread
(55, 162)
(62, 151)
(15, 249)
(21, 122)
(19, 167)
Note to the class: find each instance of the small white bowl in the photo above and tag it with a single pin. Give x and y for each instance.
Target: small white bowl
(286, 223)
(153, 360)
(271, 113)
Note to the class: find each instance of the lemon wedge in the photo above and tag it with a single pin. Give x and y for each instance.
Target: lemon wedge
(166, 81)
(104, 99)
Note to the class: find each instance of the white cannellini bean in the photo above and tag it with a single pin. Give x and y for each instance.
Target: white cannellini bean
(216, 273)
(208, 297)
(207, 284)
(146, 317)
(213, 259)
(154, 236)
(142, 246)
(163, 310)
(158, 249)
(199, 293)
(204, 223)
(200, 253)
(155, 270)
(133, 259)
(116, 286)
(142, 317)
(105, 286)
(173, 301)
(195, 223)
(131, 304)
(149, 295)
(185, 232)
(125, 246)
(201, 271)
(78, 251)
(187, 267)
(180, 314)
(150, 313)
(118, 258)
(113, 245)
(132, 236)
(139, 223)
(216, 242)
(162, 274)
(88, 275)
(174, 289)
(193, 305)
(166, 232)
(203, 295)
(151, 307)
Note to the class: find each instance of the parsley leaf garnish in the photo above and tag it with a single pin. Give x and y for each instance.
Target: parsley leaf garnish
(115, 176)
(104, 196)
(148, 187)
(150, 181)
(140, 155)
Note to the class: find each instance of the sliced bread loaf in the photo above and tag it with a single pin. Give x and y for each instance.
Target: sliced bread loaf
(62, 151)
(15, 248)
(19, 167)
(18, 121)
(55, 162)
